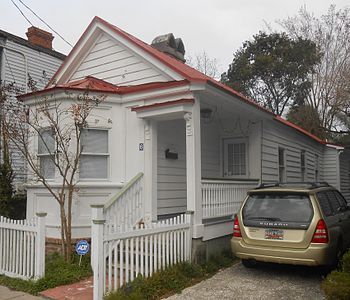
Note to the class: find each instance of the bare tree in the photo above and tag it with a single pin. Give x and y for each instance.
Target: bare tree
(56, 127)
(330, 81)
(205, 64)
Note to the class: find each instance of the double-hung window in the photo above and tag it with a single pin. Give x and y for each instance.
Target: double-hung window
(302, 165)
(281, 165)
(235, 157)
(94, 157)
(46, 151)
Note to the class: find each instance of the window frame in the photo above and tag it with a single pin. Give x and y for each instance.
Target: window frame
(281, 167)
(107, 154)
(46, 154)
(302, 165)
(235, 140)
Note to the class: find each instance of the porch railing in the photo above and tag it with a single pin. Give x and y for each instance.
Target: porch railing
(126, 207)
(223, 197)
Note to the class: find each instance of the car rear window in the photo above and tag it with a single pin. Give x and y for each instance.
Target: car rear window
(278, 210)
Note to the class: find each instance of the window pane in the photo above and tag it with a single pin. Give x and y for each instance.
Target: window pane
(94, 141)
(47, 167)
(46, 142)
(93, 166)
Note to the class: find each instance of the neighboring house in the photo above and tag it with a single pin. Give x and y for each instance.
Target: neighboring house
(24, 60)
(199, 144)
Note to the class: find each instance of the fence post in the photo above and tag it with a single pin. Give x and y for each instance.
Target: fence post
(189, 219)
(97, 255)
(40, 245)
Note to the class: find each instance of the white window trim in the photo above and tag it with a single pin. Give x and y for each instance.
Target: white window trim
(284, 174)
(99, 154)
(236, 140)
(39, 155)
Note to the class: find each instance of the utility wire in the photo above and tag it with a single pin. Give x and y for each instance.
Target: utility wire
(33, 12)
(22, 13)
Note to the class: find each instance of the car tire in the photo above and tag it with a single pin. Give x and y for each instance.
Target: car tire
(249, 263)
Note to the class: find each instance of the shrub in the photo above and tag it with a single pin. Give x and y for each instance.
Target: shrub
(346, 262)
(171, 280)
(57, 272)
(337, 286)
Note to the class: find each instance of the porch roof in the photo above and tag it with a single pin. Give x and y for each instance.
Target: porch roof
(93, 84)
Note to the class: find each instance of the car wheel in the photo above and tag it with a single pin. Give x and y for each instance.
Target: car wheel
(249, 263)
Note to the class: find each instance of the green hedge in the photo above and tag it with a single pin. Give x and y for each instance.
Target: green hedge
(337, 284)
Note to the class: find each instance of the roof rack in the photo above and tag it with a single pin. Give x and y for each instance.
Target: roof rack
(309, 185)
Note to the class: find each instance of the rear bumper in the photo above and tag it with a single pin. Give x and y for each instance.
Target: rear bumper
(314, 255)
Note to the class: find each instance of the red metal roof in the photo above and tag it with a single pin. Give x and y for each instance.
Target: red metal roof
(93, 84)
(161, 104)
(186, 71)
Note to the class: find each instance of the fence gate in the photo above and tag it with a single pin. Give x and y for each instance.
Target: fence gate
(120, 253)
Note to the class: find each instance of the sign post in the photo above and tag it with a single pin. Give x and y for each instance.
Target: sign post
(82, 248)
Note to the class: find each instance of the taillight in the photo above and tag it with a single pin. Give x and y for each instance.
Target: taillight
(236, 229)
(321, 233)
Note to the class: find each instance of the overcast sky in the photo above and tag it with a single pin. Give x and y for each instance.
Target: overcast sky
(218, 27)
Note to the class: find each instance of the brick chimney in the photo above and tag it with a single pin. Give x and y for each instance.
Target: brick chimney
(40, 37)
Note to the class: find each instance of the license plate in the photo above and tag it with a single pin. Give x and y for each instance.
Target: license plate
(274, 234)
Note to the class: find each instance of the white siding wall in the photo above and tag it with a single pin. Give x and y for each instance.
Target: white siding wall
(113, 62)
(331, 167)
(211, 158)
(277, 135)
(344, 165)
(171, 172)
(18, 61)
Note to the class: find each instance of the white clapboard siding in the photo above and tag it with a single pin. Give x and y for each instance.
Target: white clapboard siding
(330, 167)
(119, 255)
(210, 148)
(345, 174)
(22, 247)
(113, 62)
(17, 62)
(171, 173)
(276, 135)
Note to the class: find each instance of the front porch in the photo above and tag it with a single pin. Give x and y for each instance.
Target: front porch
(202, 155)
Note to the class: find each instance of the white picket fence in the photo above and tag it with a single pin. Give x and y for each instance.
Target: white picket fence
(22, 247)
(120, 254)
(223, 197)
(126, 207)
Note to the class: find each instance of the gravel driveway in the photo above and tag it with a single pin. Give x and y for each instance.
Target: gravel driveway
(263, 282)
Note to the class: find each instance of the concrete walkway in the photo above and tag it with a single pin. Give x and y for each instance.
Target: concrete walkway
(6, 293)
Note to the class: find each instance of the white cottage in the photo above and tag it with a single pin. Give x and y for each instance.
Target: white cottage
(180, 139)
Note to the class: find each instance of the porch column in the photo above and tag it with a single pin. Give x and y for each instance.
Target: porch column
(150, 170)
(193, 168)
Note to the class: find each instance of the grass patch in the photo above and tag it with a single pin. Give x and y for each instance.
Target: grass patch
(171, 280)
(57, 272)
(337, 284)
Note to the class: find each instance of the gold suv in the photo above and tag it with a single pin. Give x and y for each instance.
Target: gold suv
(304, 224)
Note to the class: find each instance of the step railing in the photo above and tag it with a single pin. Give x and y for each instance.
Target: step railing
(126, 207)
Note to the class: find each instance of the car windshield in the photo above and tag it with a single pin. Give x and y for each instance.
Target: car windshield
(284, 207)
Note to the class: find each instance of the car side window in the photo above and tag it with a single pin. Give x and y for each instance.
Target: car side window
(341, 200)
(336, 208)
(324, 203)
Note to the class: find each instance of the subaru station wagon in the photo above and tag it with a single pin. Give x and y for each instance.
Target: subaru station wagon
(303, 224)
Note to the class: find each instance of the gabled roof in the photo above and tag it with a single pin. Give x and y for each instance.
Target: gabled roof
(93, 84)
(190, 74)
